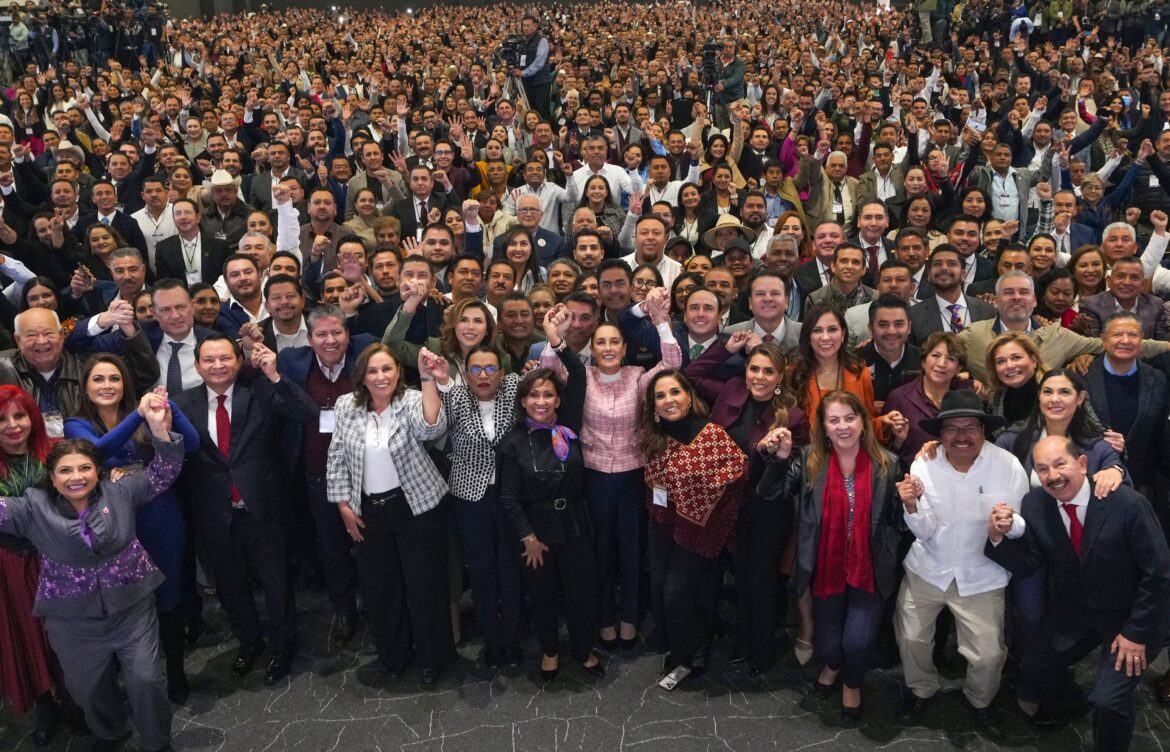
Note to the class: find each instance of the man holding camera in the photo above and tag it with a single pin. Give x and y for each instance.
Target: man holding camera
(729, 87)
(533, 68)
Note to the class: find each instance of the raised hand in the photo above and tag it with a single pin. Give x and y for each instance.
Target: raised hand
(910, 489)
(778, 442)
(737, 341)
(265, 360)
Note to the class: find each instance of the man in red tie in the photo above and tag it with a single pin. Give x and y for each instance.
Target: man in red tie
(234, 489)
(1108, 588)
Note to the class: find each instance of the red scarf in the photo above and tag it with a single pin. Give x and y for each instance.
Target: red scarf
(843, 560)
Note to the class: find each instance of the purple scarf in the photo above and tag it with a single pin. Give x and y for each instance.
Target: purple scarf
(86, 532)
(561, 436)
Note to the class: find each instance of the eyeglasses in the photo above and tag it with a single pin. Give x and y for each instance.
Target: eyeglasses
(480, 370)
(443, 152)
(528, 210)
(645, 283)
(953, 431)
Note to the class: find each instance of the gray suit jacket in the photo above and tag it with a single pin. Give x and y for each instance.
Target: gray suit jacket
(787, 343)
(1025, 179)
(361, 180)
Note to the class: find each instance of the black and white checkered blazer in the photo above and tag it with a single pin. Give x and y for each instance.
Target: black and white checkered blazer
(473, 457)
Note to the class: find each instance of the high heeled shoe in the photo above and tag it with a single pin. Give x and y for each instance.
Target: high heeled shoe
(596, 670)
(550, 674)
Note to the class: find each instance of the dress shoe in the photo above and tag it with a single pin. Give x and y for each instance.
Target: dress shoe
(549, 674)
(246, 658)
(1048, 718)
(513, 656)
(628, 643)
(48, 715)
(344, 627)
(911, 708)
(429, 676)
(492, 658)
(278, 667)
(597, 670)
(824, 690)
(851, 715)
(1162, 691)
(178, 688)
(987, 719)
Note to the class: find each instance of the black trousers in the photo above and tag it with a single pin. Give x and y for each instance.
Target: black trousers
(683, 589)
(539, 97)
(402, 568)
(1048, 670)
(249, 546)
(570, 569)
(760, 537)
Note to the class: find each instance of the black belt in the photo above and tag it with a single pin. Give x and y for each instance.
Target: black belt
(380, 499)
(558, 504)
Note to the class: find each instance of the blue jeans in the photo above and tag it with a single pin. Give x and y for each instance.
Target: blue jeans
(491, 552)
(341, 578)
(617, 510)
(845, 630)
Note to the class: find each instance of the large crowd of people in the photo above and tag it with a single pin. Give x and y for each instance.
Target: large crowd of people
(590, 309)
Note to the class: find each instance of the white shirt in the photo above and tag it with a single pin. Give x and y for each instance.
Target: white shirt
(667, 267)
(763, 240)
(1080, 501)
(191, 377)
(777, 333)
(379, 474)
(691, 342)
(154, 231)
(551, 196)
(213, 406)
(619, 181)
(950, 526)
(192, 252)
(299, 338)
(885, 185)
(945, 314)
(1005, 196)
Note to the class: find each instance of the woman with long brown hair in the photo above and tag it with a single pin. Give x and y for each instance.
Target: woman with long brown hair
(694, 477)
(849, 523)
(748, 407)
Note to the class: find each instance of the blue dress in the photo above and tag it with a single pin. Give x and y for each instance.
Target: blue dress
(161, 529)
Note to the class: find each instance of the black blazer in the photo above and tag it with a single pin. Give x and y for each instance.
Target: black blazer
(926, 318)
(1120, 583)
(255, 463)
(1144, 435)
(404, 209)
(126, 226)
(169, 262)
(809, 279)
(871, 275)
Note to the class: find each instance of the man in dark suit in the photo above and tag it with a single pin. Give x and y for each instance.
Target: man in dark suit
(1012, 257)
(1108, 587)
(106, 201)
(698, 330)
(322, 368)
(419, 204)
(549, 245)
(964, 235)
(172, 335)
(816, 273)
(192, 255)
(279, 161)
(1129, 396)
(233, 489)
(944, 271)
(873, 219)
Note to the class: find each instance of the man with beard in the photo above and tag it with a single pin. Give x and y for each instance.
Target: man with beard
(949, 309)
(501, 280)
(588, 250)
(245, 300)
(963, 234)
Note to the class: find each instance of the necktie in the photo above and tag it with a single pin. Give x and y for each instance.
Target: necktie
(175, 373)
(872, 258)
(422, 214)
(1075, 529)
(956, 318)
(223, 439)
(106, 221)
(696, 351)
(767, 338)
(840, 203)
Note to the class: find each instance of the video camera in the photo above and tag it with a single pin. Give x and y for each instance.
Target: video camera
(511, 49)
(710, 66)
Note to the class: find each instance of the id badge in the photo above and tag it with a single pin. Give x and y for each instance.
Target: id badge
(221, 235)
(837, 207)
(194, 278)
(1005, 201)
(1154, 182)
(327, 421)
(659, 496)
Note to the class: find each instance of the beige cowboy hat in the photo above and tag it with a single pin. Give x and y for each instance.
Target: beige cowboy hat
(727, 221)
(223, 177)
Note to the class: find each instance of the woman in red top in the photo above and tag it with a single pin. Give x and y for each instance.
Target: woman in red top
(850, 521)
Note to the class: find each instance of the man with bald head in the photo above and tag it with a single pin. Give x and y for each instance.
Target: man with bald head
(1108, 571)
(42, 367)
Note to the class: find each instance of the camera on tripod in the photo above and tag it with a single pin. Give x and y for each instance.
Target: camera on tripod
(710, 65)
(511, 49)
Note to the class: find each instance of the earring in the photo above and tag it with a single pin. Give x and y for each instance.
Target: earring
(657, 418)
(778, 391)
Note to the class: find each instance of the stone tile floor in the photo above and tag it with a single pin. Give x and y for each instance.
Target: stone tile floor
(328, 703)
